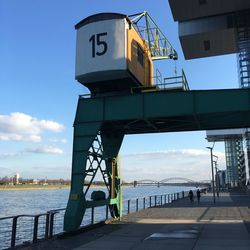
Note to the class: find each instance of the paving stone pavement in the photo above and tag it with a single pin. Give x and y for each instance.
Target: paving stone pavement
(179, 225)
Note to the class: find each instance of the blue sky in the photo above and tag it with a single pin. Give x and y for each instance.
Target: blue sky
(38, 94)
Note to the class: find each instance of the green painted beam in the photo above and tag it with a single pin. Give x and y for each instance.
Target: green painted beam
(167, 111)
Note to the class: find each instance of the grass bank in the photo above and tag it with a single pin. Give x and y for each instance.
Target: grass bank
(32, 187)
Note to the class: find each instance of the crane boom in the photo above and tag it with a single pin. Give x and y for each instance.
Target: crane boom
(157, 42)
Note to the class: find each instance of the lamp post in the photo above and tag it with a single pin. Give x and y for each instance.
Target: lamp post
(212, 168)
(217, 180)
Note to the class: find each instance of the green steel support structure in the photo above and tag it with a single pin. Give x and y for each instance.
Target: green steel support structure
(106, 119)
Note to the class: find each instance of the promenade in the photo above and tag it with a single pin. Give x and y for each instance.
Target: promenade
(179, 225)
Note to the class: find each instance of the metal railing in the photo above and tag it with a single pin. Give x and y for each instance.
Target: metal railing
(157, 78)
(134, 205)
(176, 82)
(28, 229)
(167, 84)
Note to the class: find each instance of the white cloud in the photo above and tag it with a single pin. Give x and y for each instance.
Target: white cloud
(50, 171)
(43, 149)
(9, 155)
(64, 141)
(193, 164)
(49, 125)
(46, 150)
(22, 127)
(6, 171)
(173, 153)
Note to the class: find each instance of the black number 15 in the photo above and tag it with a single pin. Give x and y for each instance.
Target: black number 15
(96, 40)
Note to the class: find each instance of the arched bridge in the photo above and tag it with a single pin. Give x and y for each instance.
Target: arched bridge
(173, 181)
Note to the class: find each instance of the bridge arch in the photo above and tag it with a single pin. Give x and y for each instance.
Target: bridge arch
(147, 181)
(177, 179)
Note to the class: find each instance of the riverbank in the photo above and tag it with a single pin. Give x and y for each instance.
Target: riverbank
(32, 187)
(42, 187)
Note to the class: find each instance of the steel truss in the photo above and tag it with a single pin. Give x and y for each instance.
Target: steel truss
(95, 152)
(149, 31)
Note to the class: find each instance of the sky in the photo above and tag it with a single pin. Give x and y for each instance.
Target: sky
(39, 93)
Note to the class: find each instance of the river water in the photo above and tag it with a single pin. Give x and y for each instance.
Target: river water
(40, 201)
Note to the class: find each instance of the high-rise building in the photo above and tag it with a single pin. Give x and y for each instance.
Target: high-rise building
(218, 27)
(235, 162)
(221, 179)
(16, 178)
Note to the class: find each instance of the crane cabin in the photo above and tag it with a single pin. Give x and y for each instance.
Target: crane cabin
(110, 54)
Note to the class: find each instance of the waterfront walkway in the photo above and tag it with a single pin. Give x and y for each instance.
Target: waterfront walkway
(179, 225)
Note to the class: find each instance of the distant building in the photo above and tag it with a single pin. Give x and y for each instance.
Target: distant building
(236, 174)
(212, 28)
(236, 154)
(221, 178)
(16, 179)
(35, 181)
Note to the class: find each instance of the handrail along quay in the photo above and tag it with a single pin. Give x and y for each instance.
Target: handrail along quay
(15, 230)
(27, 229)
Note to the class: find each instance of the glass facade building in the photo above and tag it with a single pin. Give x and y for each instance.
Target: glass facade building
(212, 28)
(235, 162)
(242, 24)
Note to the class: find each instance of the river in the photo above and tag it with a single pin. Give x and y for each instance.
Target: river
(16, 202)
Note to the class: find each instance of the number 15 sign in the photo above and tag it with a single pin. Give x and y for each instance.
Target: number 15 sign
(101, 47)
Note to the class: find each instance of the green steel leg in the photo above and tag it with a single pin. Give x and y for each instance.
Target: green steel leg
(111, 145)
(84, 134)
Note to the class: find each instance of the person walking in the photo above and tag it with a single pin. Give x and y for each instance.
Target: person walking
(198, 193)
(191, 196)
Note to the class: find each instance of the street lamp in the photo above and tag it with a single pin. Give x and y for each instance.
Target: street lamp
(216, 180)
(216, 175)
(212, 168)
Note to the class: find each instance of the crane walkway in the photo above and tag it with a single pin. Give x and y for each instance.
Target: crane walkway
(179, 225)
